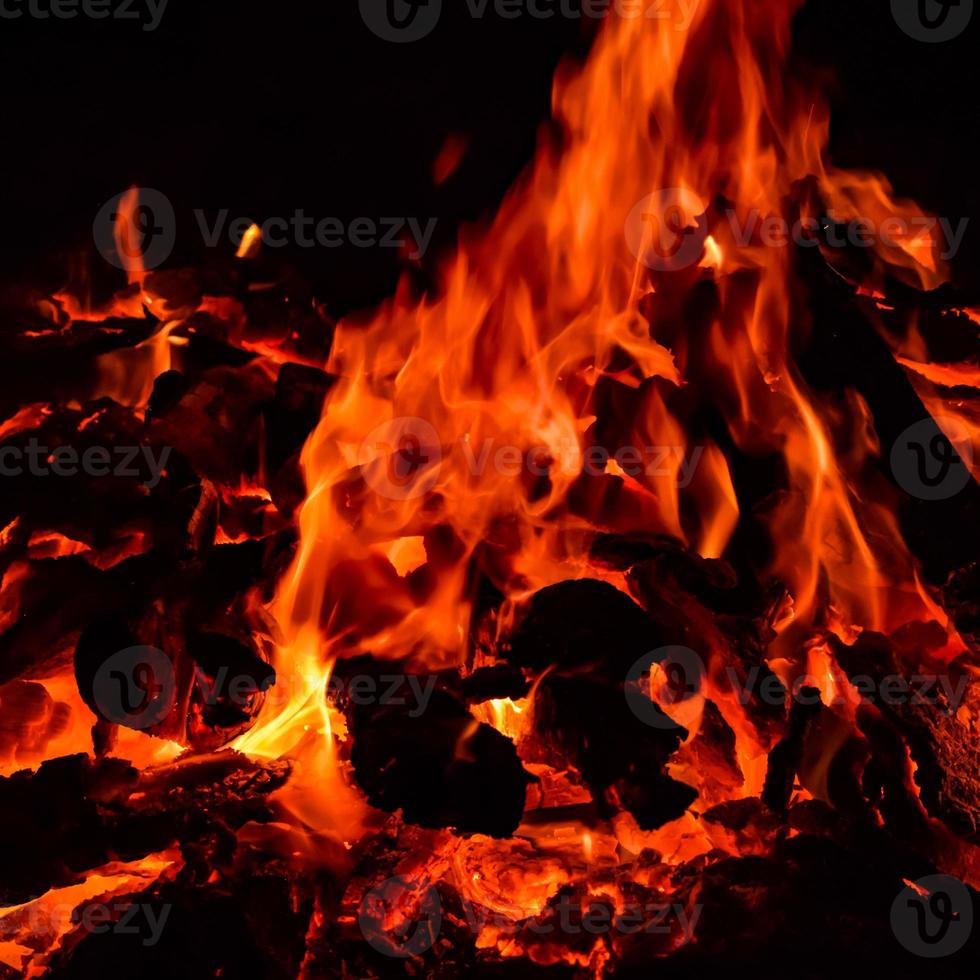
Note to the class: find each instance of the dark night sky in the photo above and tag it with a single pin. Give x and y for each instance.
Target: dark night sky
(264, 108)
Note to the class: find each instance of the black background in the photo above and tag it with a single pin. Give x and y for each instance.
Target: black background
(264, 108)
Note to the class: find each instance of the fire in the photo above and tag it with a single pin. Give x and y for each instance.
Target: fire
(613, 355)
(549, 319)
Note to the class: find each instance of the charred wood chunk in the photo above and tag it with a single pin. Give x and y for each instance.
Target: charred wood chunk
(51, 829)
(75, 814)
(577, 623)
(91, 472)
(622, 551)
(168, 389)
(587, 722)
(494, 683)
(290, 418)
(215, 424)
(187, 657)
(924, 709)
(203, 347)
(63, 596)
(180, 289)
(962, 593)
(786, 756)
(229, 570)
(670, 563)
(229, 690)
(215, 782)
(183, 929)
(438, 765)
(296, 408)
(29, 719)
(96, 675)
(946, 751)
(712, 754)
(811, 894)
(741, 641)
(751, 824)
(286, 316)
(76, 339)
(56, 602)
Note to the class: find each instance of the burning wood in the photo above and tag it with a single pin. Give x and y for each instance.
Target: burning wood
(572, 618)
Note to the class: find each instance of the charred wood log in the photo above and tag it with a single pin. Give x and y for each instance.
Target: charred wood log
(587, 722)
(925, 711)
(962, 602)
(494, 683)
(438, 765)
(583, 623)
(846, 351)
(74, 814)
(786, 756)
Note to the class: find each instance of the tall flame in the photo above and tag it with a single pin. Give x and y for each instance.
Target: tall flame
(550, 334)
